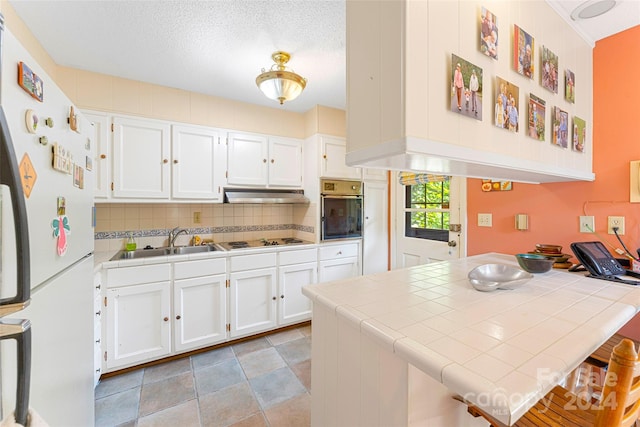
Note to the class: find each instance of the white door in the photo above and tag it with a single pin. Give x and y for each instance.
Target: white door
(247, 159)
(252, 301)
(138, 323)
(102, 160)
(199, 311)
(197, 163)
(418, 250)
(375, 236)
(294, 306)
(285, 162)
(141, 158)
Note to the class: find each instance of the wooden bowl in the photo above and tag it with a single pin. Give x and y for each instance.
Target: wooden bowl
(549, 249)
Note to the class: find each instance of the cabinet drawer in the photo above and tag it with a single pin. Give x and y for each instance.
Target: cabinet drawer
(140, 274)
(338, 251)
(298, 257)
(251, 262)
(204, 267)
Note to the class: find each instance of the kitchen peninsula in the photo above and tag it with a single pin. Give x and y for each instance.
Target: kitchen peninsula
(391, 349)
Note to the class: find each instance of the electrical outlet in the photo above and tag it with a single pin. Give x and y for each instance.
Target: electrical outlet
(484, 220)
(196, 218)
(615, 221)
(587, 224)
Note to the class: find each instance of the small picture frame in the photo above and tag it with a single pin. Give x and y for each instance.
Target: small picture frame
(89, 163)
(523, 52)
(579, 134)
(536, 117)
(30, 82)
(549, 74)
(560, 122)
(570, 86)
(488, 33)
(506, 106)
(466, 88)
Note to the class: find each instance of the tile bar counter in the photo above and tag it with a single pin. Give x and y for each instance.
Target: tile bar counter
(392, 348)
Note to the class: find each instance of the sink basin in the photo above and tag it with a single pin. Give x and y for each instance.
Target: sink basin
(180, 250)
(141, 253)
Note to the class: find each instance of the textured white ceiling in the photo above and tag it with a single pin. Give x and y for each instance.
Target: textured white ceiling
(218, 47)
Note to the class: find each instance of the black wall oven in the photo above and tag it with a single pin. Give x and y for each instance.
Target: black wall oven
(341, 209)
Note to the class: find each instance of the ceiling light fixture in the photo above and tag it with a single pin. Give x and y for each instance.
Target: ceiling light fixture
(592, 8)
(279, 83)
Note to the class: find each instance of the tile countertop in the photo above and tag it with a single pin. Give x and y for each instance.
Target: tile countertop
(501, 350)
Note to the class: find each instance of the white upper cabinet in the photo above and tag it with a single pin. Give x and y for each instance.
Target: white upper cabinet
(198, 163)
(102, 159)
(260, 161)
(141, 150)
(332, 163)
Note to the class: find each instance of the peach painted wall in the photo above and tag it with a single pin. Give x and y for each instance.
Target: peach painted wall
(554, 209)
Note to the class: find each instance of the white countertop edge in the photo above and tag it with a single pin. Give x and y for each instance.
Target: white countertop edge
(423, 358)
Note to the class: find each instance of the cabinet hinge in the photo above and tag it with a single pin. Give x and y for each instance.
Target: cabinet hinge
(226, 174)
(105, 356)
(111, 185)
(228, 327)
(227, 283)
(105, 301)
(111, 127)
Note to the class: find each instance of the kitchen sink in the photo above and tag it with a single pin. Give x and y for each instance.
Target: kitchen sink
(179, 250)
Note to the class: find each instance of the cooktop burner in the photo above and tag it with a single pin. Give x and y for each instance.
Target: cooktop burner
(288, 240)
(262, 243)
(238, 245)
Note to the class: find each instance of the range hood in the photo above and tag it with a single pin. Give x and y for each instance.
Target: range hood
(256, 195)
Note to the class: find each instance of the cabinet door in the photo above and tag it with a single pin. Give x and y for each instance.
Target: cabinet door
(285, 162)
(196, 155)
(247, 159)
(199, 312)
(375, 234)
(138, 323)
(336, 269)
(102, 159)
(333, 163)
(141, 158)
(252, 301)
(293, 306)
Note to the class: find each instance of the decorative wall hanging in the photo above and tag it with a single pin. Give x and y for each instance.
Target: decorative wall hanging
(536, 117)
(489, 185)
(88, 163)
(549, 78)
(523, 52)
(30, 82)
(31, 121)
(569, 86)
(489, 34)
(560, 127)
(62, 159)
(506, 105)
(466, 88)
(28, 175)
(579, 134)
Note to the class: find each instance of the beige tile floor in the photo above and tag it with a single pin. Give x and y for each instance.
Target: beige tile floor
(262, 382)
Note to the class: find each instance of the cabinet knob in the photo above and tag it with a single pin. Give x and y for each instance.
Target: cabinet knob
(103, 156)
(166, 319)
(175, 161)
(264, 160)
(274, 298)
(282, 296)
(324, 156)
(339, 253)
(272, 160)
(178, 317)
(165, 161)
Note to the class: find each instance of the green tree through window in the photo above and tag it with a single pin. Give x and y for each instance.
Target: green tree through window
(427, 211)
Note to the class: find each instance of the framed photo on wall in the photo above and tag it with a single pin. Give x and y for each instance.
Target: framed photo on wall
(549, 78)
(506, 105)
(579, 134)
(536, 117)
(488, 33)
(523, 52)
(466, 88)
(570, 86)
(560, 121)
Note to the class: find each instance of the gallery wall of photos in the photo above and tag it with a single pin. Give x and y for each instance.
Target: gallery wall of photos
(511, 110)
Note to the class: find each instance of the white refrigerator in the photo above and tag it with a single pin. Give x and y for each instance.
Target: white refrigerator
(46, 280)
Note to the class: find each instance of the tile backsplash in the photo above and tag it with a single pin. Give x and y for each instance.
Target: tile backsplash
(151, 223)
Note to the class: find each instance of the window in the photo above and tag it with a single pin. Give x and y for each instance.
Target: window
(427, 211)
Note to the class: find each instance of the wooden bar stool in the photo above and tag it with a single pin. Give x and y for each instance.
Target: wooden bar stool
(619, 406)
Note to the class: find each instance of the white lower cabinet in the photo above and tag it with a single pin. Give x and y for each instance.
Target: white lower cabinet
(296, 269)
(139, 327)
(338, 261)
(199, 304)
(252, 301)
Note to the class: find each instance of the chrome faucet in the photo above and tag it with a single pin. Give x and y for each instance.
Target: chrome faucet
(174, 233)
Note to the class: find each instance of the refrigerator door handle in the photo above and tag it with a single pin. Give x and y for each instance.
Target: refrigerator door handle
(20, 330)
(10, 176)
